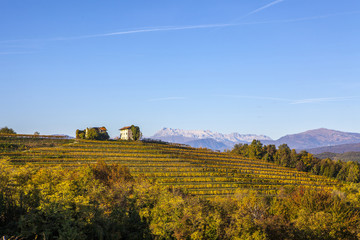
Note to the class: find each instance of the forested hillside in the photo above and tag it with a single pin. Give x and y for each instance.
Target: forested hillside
(303, 161)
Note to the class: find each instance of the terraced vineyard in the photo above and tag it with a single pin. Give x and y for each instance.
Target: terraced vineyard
(200, 171)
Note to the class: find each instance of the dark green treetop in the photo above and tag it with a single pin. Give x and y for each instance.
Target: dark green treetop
(136, 134)
(6, 130)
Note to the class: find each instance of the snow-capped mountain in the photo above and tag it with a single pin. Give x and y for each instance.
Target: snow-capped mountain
(189, 136)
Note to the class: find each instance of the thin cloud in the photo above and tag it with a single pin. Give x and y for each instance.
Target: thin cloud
(165, 99)
(318, 100)
(254, 97)
(291, 101)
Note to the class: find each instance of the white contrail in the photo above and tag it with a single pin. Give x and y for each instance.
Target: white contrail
(303, 18)
(174, 28)
(158, 29)
(263, 8)
(144, 30)
(255, 11)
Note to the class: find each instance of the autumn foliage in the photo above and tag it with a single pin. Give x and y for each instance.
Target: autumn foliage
(105, 202)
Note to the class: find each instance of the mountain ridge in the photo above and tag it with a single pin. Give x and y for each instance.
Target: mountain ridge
(316, 138)
(341, 148)
(196, 138)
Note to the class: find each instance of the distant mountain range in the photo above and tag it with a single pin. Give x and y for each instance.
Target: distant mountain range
(316, 138)
(208, 143)
(63, 135)
(309, 140)
(205, 138)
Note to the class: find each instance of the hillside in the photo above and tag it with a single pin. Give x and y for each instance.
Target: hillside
(342, 148)
(200, 171)
(347, 156)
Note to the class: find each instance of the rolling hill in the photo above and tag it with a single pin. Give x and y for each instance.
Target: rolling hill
(347, 156)
(342, 148)
(200, 171)
(344, 152)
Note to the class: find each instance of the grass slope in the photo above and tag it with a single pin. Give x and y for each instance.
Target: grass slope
(200, 171)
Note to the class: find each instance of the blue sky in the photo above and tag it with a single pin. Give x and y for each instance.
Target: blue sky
(263, 67)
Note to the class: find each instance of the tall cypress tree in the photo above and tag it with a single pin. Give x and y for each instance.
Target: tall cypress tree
(136, 134)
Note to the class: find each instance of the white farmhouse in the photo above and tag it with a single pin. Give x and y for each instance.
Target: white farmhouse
(126, 133)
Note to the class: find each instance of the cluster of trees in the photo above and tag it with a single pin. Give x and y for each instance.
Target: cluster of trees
(302, 161)
(106, 202)
(93, 134)
(6, 130)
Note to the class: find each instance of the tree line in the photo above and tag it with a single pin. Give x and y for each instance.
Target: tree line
(302, 161)
(6, 130)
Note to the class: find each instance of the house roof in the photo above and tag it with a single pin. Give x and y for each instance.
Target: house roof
(98, 128)
(124, 128)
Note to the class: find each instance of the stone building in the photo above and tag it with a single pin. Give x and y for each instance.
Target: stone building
(126, 133)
